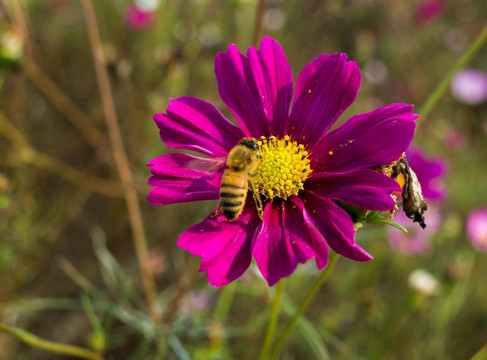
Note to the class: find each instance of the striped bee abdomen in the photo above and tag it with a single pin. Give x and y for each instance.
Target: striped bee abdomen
(233, 192)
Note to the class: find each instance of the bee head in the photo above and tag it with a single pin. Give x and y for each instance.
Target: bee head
(249, 143)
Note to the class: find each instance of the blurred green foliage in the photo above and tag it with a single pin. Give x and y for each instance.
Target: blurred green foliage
(61, 281)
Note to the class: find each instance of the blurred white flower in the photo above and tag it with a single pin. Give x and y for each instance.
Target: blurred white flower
(147, 5)
(376, 72)
(470, 86)
(274, 19)
(423, 282)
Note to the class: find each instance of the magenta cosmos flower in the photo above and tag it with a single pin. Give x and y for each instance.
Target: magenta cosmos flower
(303, 172)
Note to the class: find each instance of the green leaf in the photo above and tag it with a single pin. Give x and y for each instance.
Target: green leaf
(381, 219)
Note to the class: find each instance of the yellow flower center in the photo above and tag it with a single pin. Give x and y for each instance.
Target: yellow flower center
(283, 168)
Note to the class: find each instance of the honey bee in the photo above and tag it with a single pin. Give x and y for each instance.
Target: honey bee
(242, 162)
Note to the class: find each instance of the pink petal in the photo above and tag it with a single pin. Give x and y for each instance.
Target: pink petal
(365, 188)
(274, 81)
(285, 239)
(239, 92)
(335, 225)
(194, 124)
(223, 245)
(325, 88)
(360, 123)
(181, 178)
(315, 239)
(257, 89)
(365, 140)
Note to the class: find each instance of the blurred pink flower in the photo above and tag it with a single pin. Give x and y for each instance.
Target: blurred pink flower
(138, 19)
(454, 139)
(194, 304)
(417, 240)
(157, 261)
(477, 229)
(430, 172)
(430, 10)
(470, 86)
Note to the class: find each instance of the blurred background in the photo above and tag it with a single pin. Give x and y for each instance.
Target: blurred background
(68, 264)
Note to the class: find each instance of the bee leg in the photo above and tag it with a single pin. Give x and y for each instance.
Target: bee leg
(218, 212)
(256, 174)
(258, 201)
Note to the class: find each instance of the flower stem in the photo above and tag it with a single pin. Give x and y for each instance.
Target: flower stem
(55, 347)
(121, 161)
(303, 305)
(481, 354)
(224, 302)
(271, 328)
(259, 19)
(443, 85)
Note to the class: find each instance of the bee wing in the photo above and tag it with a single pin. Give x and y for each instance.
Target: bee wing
(215, 165)
(185, 166)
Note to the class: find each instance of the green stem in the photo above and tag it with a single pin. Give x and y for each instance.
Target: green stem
(271, 328)
(259, 19)
(55, 347)
(443, 85)
(304, 303)
(481, 354)
(224, 302)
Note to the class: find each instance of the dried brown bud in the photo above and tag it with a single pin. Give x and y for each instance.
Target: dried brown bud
(414, 205)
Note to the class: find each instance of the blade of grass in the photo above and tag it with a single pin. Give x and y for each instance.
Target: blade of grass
(51, 346)
(224, 302)
(303, 305)
(98, 336)
(442, 87)
(114, 276)
(309, 333)
(178, 348)
(274, 317)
